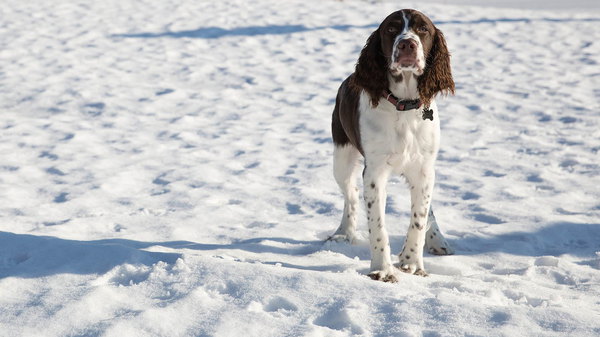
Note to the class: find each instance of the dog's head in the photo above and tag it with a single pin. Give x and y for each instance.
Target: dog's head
(406, 41)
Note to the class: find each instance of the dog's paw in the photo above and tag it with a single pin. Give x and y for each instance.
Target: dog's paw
(411, 264)
(383, 275)
(342, 238)
(421, 272)
(437, 245)
(440, 250)
(412, 269)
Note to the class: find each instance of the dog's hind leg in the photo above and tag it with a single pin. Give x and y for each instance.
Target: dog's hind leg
(435, 243)
(345, 168)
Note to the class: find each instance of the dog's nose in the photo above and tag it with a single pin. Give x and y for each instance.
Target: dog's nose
(407, 45)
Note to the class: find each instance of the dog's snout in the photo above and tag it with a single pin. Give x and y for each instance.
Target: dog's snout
(406, 52)
(407, 45)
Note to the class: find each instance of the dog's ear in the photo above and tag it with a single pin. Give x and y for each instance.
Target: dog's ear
(371, 70)
(438, 75)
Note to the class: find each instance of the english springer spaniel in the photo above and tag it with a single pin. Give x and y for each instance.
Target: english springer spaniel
(385, 111)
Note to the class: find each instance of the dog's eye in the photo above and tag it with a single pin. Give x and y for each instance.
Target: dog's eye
(423, 29)
(392, 30)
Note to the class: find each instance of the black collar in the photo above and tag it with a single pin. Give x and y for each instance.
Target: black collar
(407, 104)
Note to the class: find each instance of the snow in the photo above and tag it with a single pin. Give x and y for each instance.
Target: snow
(167, 172)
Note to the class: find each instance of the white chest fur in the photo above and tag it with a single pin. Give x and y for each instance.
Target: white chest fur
(398, 137)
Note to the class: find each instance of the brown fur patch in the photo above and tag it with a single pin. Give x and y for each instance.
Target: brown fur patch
(371, 70)
(344, 123)
(438, 75)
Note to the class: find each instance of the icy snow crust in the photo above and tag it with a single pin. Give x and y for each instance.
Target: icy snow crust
(166, 171)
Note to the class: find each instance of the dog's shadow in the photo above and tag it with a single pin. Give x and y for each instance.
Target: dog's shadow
(31, 256)
(578, 239)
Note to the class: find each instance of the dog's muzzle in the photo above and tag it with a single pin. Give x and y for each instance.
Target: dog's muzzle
(406, 53)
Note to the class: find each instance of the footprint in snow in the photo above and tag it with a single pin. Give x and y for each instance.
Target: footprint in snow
(164, 92)
(94, 109)
(280, 305)
(340, 317)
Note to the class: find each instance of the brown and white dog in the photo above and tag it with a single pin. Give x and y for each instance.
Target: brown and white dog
(385, 111)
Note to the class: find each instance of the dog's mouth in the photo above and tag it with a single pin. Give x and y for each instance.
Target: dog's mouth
(406, 64)
(406, 60)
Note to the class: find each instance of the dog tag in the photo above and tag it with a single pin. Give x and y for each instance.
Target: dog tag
(427, 113)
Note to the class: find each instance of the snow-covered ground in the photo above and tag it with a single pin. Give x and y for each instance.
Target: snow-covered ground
(166, 171)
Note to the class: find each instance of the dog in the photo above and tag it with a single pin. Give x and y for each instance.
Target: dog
(385, 111)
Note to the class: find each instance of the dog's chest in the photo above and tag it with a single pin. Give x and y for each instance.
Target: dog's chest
(389, 132)
(400, 136)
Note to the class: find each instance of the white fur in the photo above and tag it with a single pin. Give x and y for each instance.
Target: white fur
(406, 23)
(345, 165)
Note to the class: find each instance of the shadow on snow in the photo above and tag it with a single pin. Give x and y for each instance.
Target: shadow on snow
(581, 240)
(218, 32)
(23, 255)
(30, 256)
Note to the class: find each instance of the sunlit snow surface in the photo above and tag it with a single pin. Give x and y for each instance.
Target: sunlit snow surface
(166, 171)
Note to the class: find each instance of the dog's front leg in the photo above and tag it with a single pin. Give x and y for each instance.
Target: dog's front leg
(421, 187)
(375, 178)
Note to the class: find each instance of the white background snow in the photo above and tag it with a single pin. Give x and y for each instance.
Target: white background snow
(166, 171)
